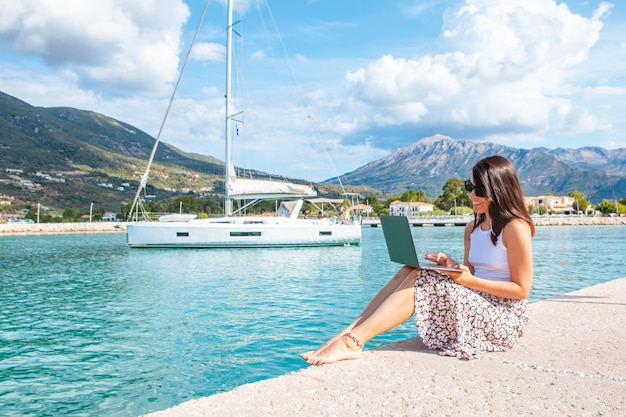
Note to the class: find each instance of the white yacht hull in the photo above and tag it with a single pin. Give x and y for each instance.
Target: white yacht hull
(241, 232)
(284, 229)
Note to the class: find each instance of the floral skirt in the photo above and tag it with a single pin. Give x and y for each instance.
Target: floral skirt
(462, 322)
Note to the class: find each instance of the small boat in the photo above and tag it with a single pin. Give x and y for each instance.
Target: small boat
(285, 229)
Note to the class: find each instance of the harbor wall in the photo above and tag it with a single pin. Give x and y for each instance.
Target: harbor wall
(97, 227)
(538, 220)
(101, 227)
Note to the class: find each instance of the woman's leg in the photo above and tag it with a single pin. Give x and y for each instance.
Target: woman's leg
(393, 305)
(394, 283)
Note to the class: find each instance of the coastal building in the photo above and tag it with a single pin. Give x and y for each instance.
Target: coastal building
(557, 204)
(409, 208)
(6, 200)
(109, 217)
(10, 217)
(361, 209)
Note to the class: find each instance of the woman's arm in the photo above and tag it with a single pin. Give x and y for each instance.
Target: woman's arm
(516, 237)
(469, 228)
(444, 259)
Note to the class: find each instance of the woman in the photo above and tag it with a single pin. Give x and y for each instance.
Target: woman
(482, 307)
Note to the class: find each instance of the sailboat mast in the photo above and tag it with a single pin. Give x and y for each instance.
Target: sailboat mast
(228, 205)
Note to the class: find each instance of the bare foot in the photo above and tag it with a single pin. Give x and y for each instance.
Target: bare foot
(341, 349)
(307, 355)
(313, 353)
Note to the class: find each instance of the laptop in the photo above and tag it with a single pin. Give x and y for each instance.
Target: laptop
(400, 245)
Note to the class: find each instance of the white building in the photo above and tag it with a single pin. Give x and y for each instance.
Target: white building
(109, 217)
(558, 204)
(409, 208)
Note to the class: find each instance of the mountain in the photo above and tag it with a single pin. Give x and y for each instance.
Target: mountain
(591, 157)
(78, 157)
(428, 163)
(67, 158)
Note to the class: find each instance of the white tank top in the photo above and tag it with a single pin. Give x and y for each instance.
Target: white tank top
(489, 261)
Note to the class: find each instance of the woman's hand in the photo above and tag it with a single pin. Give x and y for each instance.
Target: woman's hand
(462, 277)
(440, 258)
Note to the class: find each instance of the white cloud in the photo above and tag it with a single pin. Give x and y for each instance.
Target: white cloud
(302, 58)
(602, 11)
(605, 92)
(578, 119)
(204, 51)
(116, 46)
(507, 66)
(514, 72)
(416, 8)
(258, 55)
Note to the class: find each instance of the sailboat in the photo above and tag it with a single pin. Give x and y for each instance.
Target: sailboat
(285, 229)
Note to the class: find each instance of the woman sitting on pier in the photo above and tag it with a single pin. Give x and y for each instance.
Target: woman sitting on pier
(482, 307)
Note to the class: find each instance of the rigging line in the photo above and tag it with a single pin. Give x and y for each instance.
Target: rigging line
(144, 178)
(298, 88)
(270, 46)
(284, 50)
(332, 162)
(239, 89)
(240, 85)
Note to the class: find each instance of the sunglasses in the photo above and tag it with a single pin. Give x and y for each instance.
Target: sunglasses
(469, 187)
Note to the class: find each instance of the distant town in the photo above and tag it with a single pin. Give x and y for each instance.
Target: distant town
(573, 204)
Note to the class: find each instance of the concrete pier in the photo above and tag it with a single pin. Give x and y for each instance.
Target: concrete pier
(570, 362)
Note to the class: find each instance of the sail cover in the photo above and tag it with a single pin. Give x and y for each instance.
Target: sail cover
(253, 189)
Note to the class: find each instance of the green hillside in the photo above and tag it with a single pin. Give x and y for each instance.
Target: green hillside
(67, 158)
(77, 157)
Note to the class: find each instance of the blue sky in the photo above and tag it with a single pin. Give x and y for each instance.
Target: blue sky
(327, 86)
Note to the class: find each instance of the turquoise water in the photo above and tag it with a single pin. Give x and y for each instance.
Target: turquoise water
(89, 327)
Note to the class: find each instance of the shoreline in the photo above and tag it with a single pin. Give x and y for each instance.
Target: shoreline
(578, 221)
(46, 228)
(555, 369)
(103, 227)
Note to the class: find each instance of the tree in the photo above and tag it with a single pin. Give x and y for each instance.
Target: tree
(372, 201)
(414, 196)
(213, 207)
(97, 214)
(609, 207)
(71, 214)
(453, 194)
(391, 199)
(188, 203)
(581, 202)
(40, 216)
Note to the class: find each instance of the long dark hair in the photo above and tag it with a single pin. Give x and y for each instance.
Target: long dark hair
(496, 180)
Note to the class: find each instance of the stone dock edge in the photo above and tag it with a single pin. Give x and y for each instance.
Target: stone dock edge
(102, 227)
(571, 361)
